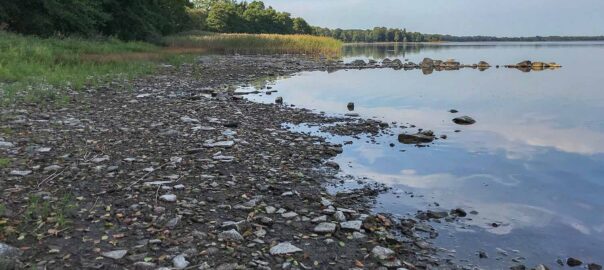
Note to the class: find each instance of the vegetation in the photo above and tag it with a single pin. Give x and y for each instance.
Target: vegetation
(256, 43)
(33, 68)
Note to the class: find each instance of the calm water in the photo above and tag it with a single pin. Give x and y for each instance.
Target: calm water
(534, 162)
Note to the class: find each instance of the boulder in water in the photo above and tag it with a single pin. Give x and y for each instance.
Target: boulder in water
(464, 120)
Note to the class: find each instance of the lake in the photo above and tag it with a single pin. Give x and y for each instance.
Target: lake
(532, 167)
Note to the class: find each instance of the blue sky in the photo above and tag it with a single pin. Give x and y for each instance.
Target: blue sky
(456, 17)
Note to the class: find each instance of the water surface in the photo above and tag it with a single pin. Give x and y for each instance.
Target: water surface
(533, 163)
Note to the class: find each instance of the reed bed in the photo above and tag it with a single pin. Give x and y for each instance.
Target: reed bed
(257, 43)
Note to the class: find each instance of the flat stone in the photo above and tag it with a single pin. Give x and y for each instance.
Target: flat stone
(464, 120)
(157, 183)
(223, 144)
(144, 266)
(354, 225)
(52, 168)
(232, 235)
(284, 248)
(319, 219)
(168, 198)
(6, 144)
(325, 227)
(116, 254)
(339, 216)
(187, 119)
(289, 214)
(20, 173)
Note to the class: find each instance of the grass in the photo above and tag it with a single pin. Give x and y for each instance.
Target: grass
(35, 69)
(4, 162)
(257, 43)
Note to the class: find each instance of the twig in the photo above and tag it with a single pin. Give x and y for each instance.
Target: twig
(50, 177)
(147, 174)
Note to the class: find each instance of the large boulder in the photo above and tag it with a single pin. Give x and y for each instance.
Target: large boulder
(358, 63)
(525, 64)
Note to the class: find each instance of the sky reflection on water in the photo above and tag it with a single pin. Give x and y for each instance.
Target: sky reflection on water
(534, 161)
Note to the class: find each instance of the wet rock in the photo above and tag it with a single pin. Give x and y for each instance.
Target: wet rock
(279, 100)
(572, 262)
(518, 267)
(333, 165)
(358, 63)
(453, 111)
(116, 254)
(426, 136)
(231, 235)
(594, 266)
(284, 248)
(352, 114)
(458, 212)
(541, 267)
(350, 106)
(180, 262)
(427, 63)
(482, 255)
(464, 120)
(325, 227)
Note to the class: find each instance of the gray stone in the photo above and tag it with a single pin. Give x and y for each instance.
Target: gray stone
(319, 219)
(284, 248)
(6, 144)
(116, 254)
(464, 120)
(339, 216)
(144, 266)
(223, 144)
(52, 168)
(382, 253)
(325, 227)
(354, 225)
(232, 235)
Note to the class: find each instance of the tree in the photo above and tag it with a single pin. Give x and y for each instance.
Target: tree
(300, 26)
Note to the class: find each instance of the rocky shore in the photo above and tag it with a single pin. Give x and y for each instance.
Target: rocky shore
(176, 171)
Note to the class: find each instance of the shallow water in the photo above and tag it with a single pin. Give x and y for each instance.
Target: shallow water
(533, 163)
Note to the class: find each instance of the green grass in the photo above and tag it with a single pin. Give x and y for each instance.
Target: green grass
(35, 69)
(257, 43)
(4, 162)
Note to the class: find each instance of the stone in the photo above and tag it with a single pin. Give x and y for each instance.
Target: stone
(289, 215)
(223, 144)
(464, 120)
(458, 212)
(144, 266)
(426, 136)
(319, 219)
(339, 216)
(594, 266)
(6, 144)
(279, 100)
(232, 235)
(325, 227)
(382, 253)
(180, 262)
(284, 248)
(168, 198)
(572, 262)
(52, 168)
(116, 254)
(187, 119)
(354, 225)
(541, 267)
(350, 106)
(20, 173)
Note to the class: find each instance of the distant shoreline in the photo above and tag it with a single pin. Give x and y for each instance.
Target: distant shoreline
(468, 42)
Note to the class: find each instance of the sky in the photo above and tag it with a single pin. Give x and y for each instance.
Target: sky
(455, 17)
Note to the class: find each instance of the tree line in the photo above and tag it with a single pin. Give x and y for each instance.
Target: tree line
(151, 19)
(143, 19)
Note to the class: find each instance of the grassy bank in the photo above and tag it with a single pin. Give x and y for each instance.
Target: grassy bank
(257, 43)
(35, 69)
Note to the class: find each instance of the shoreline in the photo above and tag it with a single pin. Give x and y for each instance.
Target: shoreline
(180, 171)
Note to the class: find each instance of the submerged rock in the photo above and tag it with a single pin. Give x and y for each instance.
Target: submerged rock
(572, 262)
(116, 254)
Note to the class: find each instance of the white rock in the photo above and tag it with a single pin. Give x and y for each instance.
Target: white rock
(270, 209)
(43, 150)
(116, 254)
(20, 173)
(180, 262)
(325, 202)
(52, 168)
(284, 248)
(168, 198)
(318, 219)
(224, 144)
(179, 187)
(289, 214)
(187, 119)
(339, 216)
